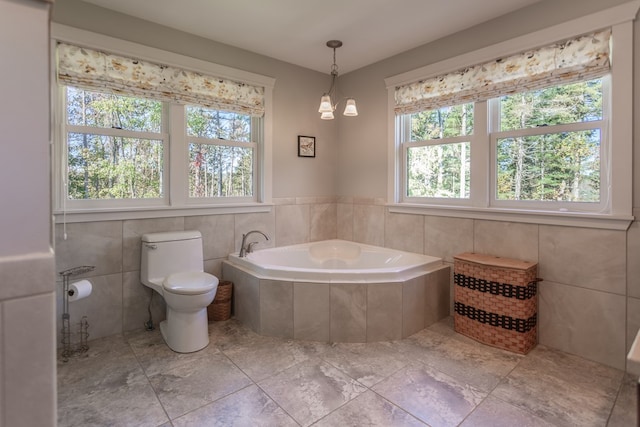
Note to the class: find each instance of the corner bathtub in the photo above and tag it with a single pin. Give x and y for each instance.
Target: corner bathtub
(338, 291)
(335, 261)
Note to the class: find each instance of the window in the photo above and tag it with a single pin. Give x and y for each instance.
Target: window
(135, 135)
(221, 153)
(437, 152)
(115, 146)
(541, 135)
(549, 145)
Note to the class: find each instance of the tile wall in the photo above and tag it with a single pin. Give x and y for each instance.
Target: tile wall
(589, 301)
(119, 302)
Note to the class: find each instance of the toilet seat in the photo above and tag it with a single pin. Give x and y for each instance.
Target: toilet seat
(189, 283)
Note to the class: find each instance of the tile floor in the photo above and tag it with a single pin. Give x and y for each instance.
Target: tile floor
(435, 377)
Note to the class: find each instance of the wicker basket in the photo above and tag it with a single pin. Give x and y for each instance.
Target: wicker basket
(220, 308)
(495, 301)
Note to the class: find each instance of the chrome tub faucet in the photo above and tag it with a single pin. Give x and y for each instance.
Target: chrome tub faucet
(247, 248)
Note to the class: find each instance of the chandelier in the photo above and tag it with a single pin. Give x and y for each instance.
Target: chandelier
(327, 104)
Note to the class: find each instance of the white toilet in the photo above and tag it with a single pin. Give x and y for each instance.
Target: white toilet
(172, 265)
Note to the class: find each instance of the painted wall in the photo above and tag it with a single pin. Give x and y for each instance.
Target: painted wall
(27, 346)
(297, 92)
(589, 303)
(363, 141)
(590, 299)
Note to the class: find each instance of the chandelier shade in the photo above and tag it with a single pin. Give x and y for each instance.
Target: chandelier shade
(325, 104)
(350, 109)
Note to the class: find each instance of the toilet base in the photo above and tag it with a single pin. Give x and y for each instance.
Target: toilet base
(185, 332)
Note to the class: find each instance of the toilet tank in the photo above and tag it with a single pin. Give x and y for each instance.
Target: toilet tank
(168, 253)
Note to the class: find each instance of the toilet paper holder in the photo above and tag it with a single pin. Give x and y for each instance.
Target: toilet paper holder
(82, 347)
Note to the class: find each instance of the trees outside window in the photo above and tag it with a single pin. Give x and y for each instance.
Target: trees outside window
(548, 144)
(547, 148)
(220, 153)
(437, 152)
(115, 146)
(116, 149)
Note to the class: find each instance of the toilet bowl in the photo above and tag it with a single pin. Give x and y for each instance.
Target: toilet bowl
(172, 265)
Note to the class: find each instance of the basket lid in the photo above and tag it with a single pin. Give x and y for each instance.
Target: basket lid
(495, 261)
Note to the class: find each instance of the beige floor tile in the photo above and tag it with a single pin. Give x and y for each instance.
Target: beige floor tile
(496, 413)
(561, 388)
(261, 357)
(193, 385)
(369, 409)
(430, 395)
(435, 377)
(106, 386)
(224, 334)
(625, 410)
(477, 364)
(311, 390)
(247, 407)
(366, 363)
(156, 357)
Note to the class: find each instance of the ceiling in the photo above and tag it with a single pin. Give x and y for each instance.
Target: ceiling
(296, 31)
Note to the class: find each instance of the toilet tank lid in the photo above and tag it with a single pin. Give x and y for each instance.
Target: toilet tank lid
(169, 236)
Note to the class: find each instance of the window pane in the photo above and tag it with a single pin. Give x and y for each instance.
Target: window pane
(573, 103)
(220, 171)
(207, 123)
(554, 167)
(438, 171)
(86, 108)
(443, 123)
(106, 167)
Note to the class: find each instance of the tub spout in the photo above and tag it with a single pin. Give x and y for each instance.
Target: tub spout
(246, 248)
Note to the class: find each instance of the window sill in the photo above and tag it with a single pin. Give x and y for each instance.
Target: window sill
(568, 219)
(114, 214)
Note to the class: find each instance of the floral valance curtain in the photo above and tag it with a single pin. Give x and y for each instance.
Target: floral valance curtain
(93, 69)
(572, 60)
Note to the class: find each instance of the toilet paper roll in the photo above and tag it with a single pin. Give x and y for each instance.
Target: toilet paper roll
(79, 290)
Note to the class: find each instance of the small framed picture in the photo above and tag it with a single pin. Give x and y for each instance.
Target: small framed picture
(306, 146)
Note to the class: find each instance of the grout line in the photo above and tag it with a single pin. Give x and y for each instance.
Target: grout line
(323, 356)
(144, 372)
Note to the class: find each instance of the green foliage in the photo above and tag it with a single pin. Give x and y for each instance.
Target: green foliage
(104, 166)
(553, 165)
(107, 166)
(440, 170)
(105, 110)
(215, 169)
(445, 122)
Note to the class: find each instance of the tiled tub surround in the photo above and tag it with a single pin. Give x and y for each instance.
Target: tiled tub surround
(336, 305)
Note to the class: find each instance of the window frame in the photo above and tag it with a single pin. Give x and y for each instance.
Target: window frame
(403, 122)
(619, 132)
(175, 201)
(72, 204)
(254, 144)
(495, 133)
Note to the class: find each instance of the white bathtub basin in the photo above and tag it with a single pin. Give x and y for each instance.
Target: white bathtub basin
(333, 261)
